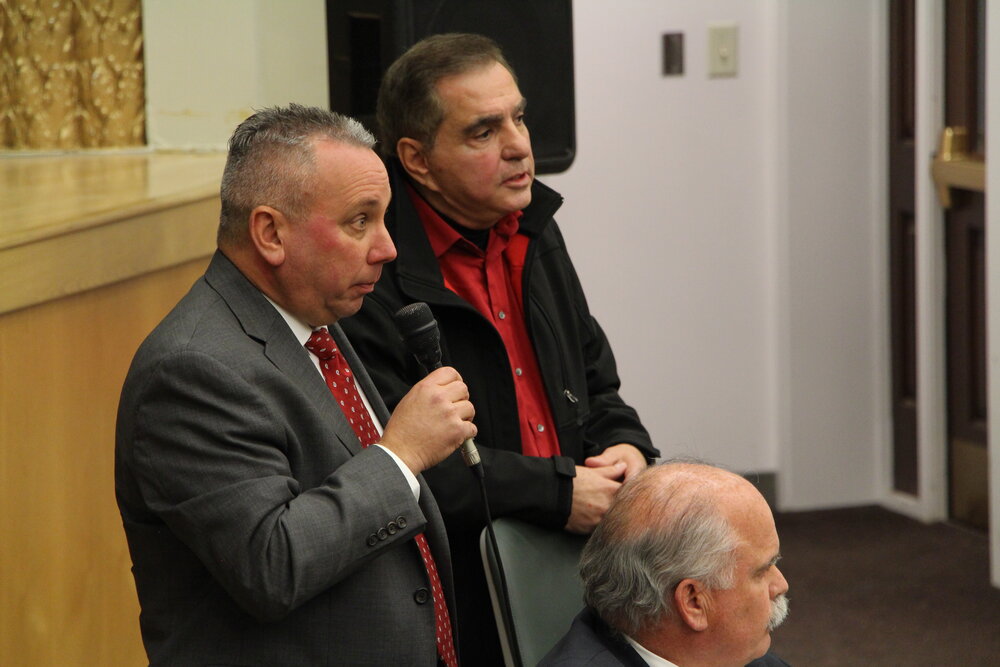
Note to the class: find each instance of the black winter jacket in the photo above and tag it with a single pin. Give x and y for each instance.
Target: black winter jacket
(576, 362)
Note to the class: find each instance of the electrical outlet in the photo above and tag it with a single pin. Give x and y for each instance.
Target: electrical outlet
(673, 53)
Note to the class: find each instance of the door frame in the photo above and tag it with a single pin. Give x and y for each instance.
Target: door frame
(993, 282)
(931, 503)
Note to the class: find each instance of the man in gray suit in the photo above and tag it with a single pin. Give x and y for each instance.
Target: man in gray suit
(262, 529)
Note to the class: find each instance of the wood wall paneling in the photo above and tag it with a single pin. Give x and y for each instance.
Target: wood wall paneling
(66, 590)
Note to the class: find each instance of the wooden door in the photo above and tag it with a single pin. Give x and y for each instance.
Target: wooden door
(965, 243)
(902, 244)
(958, 171)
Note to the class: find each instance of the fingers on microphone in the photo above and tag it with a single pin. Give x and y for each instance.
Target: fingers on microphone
(444, 375)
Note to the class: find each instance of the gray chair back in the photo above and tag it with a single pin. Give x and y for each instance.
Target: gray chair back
(543, 586)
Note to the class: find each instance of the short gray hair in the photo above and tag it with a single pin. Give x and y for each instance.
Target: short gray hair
(408, 104)
(659, 530)
(271, 161)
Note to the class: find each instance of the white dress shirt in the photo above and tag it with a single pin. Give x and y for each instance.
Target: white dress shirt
(648, 656)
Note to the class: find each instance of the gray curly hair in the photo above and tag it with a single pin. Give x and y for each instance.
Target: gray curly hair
(661, 528)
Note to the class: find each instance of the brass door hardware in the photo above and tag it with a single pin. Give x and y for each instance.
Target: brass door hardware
(954, 167)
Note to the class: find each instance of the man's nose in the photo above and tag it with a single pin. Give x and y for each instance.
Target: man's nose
(517, 143)
(383, 249)
(780, 584)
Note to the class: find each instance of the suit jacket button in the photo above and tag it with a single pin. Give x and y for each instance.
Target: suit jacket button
(422, 596)
(401, 521)
(392, 527)
(382, 533)
(372, 540)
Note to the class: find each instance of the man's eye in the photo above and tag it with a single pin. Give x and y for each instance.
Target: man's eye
(360, 223)
(485, 134)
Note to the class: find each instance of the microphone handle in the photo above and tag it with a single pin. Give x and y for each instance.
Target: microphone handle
(470, 454)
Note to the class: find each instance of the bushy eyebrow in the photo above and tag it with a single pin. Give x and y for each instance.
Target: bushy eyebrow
(769, 564)
(492, 120)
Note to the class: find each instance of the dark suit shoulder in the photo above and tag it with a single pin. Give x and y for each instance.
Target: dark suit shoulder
(591, 642)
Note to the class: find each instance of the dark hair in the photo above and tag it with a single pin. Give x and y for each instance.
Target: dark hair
(271, 161)
(408, 104)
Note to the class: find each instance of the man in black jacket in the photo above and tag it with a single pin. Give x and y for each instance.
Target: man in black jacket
(477, 242)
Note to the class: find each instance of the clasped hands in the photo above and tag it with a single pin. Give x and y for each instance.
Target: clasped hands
(596, 483)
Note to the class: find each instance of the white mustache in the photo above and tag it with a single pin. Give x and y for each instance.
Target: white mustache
(779, 610)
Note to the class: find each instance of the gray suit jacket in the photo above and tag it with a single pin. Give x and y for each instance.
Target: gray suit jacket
(261, 533)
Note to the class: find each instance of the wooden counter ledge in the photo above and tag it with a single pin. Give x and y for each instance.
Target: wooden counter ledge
(70, 223)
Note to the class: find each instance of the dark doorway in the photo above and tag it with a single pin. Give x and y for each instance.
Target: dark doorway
(902, 245)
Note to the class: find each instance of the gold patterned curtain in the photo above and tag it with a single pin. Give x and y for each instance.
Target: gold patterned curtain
(71, 74)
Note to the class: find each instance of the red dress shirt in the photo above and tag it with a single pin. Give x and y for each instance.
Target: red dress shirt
(491, 282)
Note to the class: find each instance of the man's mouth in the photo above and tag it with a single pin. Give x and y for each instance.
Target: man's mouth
(367, 287)
(518, 179)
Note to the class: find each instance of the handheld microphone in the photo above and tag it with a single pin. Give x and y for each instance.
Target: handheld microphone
(420, 334)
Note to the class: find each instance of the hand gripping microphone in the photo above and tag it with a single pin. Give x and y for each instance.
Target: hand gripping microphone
(420, 333)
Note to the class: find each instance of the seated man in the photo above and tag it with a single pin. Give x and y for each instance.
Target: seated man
(682, 571)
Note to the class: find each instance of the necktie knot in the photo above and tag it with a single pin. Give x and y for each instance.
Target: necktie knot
(321, 344)
(340, 381)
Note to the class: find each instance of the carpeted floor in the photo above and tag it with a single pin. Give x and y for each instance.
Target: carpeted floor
(871, 587)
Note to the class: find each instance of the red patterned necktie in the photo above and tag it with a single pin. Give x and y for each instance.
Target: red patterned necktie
(340, 381)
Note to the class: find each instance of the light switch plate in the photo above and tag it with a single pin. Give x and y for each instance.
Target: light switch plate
(723, 50)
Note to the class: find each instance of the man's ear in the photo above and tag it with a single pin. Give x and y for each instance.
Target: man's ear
(267, 228)
(414, 160)
(691, 600)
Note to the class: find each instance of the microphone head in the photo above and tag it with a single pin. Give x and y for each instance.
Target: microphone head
(420, 333)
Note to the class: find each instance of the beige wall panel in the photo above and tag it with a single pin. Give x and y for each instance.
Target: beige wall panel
(66, 591)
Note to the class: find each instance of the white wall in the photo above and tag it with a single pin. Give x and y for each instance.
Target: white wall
(832, 232)
(733, 253)
(210, 64)
(666, 217)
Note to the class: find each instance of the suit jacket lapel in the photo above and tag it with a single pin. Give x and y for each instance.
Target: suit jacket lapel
(261, 322)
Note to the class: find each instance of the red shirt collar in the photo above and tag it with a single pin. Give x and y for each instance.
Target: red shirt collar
(443, 236)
